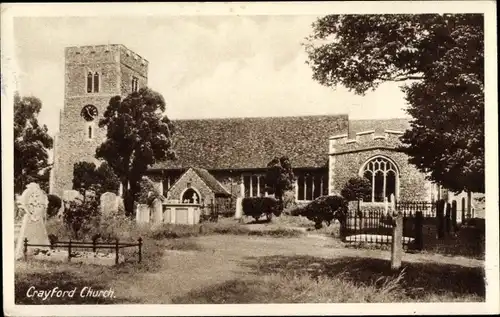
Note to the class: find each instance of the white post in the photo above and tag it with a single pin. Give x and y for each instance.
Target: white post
(242, 187)
(469, 204)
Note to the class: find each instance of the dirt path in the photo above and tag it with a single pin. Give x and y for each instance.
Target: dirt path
(224, 258)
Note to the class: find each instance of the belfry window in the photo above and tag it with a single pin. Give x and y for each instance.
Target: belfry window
(89, 82)
(383, 176)
(96, 82)
(135, 84)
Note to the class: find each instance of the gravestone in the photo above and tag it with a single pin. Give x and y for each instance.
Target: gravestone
(157, 211)
(239, 208)
(142, 213)
(34, 202)
(109, 204)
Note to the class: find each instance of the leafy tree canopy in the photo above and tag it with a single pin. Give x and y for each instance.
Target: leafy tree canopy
(86, 176)
(440, 59)
(138, 135)
(31, 142)
(279, 176)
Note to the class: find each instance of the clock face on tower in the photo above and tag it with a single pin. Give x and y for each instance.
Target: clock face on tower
(89, 112)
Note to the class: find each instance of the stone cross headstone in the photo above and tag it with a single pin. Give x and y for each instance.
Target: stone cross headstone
(195, 198)
(157, 211)
(34, 202)
(109, 203)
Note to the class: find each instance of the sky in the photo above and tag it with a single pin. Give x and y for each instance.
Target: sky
(204, 66)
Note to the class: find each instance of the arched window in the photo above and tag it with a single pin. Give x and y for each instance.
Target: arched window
(383, 176)
(190, 196)
(89, 82)
(96, 82)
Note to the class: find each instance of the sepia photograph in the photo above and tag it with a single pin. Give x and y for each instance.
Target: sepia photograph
(238, 153)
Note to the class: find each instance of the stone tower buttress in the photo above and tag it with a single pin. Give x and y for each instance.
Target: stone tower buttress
(93, 75)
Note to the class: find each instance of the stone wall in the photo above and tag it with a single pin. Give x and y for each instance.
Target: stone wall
(72, 142)
(348, 156)
(197, 184)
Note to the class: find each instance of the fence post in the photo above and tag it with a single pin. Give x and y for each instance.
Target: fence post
(397, 242)
(419, 228)
(140, 249)
(440, 206)
(463, 210)
(448, 218)
(25, 249)
(454, 216)
(94, 245)
(116, 252)
(69, 250)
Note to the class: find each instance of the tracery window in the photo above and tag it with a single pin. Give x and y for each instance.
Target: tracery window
(383, 176)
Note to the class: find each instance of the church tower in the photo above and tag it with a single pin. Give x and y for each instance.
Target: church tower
(93, 75)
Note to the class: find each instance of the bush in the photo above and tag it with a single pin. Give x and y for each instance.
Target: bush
(325, 209)
(55, 204)
(356, 188)
(80, 216)
(255, 207)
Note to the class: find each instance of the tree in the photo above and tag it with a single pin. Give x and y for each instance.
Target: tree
(86, 176)
(31, 142)
(440, 61)
(279, 177)
(356, 188)
(138, 135)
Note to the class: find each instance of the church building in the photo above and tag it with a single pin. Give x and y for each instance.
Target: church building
(228, 157)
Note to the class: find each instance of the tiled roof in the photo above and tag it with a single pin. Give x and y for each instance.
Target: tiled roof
(211, 182)
(249, 143)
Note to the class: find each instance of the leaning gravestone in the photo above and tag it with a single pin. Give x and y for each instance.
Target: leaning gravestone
(109, 204)
(34, 202)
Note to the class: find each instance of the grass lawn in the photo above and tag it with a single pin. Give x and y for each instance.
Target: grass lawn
(259, 268)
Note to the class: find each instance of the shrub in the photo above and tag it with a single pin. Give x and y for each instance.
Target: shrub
(79, 215)
(255, 207)
(356, 188)
(325, 209)
(55, 204)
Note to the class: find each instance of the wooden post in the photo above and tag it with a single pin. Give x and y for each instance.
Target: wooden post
(440, 208)
(25, 249)
(419, 227)
(94, 241)
(454, 224)
(448, 218)
(140, 249)
(116, 252)
(69, 251)
(397, 242)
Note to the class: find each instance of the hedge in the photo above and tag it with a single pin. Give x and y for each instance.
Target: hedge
(257, 206)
